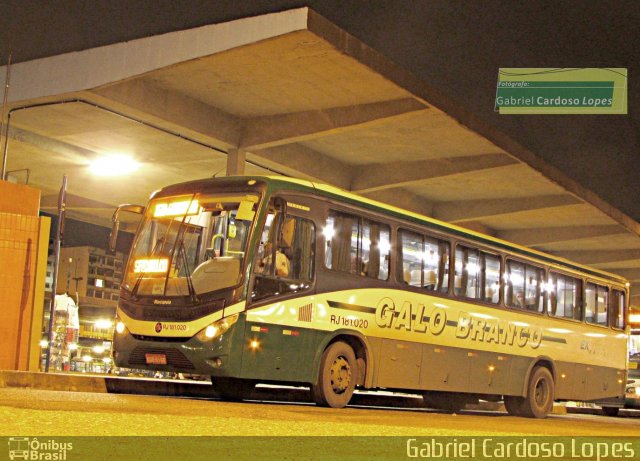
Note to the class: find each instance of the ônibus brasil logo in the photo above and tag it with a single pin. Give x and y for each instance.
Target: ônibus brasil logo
(34, 449)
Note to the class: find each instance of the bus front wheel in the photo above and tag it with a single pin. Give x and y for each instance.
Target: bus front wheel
(540, 394)
(337, 376)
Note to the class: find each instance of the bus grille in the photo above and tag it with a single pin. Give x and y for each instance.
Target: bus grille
(175, 358)
(170, 313)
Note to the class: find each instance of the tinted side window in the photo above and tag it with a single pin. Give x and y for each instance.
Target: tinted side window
(424, 261)
(596, 304)
(357, 245)
(616, 309)
(477, 274)
(565, 296)
(524, 286)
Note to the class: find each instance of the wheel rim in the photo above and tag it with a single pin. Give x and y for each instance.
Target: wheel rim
(340, 375)
(541, 393)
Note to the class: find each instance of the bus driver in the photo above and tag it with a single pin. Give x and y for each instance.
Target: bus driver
(282, 262)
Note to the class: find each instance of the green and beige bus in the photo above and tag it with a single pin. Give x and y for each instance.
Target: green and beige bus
(275, 280)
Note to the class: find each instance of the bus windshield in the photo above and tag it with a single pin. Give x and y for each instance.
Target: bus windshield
(189, 245)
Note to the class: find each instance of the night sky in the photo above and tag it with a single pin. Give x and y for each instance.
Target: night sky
(457, 47)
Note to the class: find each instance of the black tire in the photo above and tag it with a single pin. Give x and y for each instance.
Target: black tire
(513, 405)
(610, 411)
(445, 401)
(540, 394)
(337, 376)
(232, 389)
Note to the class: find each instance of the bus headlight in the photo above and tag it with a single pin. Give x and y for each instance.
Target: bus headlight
(120, 327)
(217, 329)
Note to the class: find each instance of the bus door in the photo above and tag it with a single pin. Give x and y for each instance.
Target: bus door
(281, 313)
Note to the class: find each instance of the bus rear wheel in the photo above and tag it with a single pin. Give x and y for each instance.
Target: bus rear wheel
(540, 394)
(513, 405)
(337, 376)
(232, 389)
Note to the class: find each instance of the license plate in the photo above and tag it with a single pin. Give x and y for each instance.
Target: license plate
(156, 359)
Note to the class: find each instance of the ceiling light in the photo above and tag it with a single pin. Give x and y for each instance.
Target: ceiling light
(114, 165)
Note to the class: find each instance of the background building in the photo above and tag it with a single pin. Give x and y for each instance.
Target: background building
(91, 276)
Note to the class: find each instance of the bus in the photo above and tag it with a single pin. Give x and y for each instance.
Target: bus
(633, 379)
(277, 280)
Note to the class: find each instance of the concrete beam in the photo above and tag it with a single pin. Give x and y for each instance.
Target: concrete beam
(603, 257)
(301, 161)
(370, 178)
(468, 210)
(49, 203)
(632, 275)
(477, 226)
(71, 153)
(172, 110)
(403, 199)
(276, 130)
(91, 68)
(549, 235)
(236, 162)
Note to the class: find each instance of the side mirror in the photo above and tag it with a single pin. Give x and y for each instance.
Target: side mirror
(113, 236)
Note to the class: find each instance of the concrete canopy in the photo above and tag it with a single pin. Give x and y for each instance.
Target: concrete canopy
(293, 94)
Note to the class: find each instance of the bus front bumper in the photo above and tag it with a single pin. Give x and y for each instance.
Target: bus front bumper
(182, 355)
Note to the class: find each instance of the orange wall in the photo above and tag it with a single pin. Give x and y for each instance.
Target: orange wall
(20, 254)
(19, 199)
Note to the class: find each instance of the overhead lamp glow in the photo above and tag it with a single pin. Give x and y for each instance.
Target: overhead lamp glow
(103, 324)
(114, 165)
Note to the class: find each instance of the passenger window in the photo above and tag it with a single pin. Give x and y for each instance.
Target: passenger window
(617, 309)
(596, 303)
(565, 296)
(286, 256)
(357, 245)
(492, 278)
(477, 274)
(375, 244)
(425, 261)
(523, 286)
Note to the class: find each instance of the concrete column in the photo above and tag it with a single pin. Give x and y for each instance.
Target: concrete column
(235, 162)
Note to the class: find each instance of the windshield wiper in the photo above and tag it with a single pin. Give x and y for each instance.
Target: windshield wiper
(192, 290)
(179, 245)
